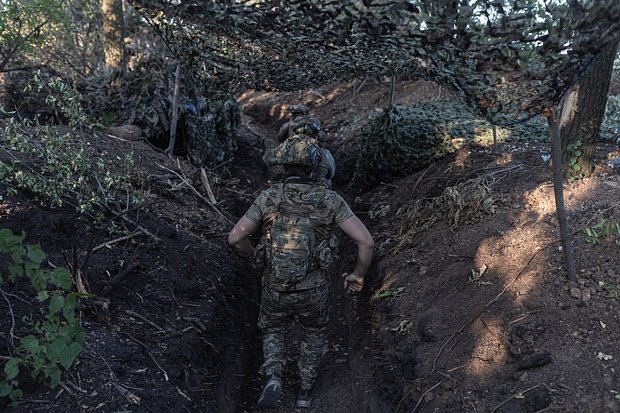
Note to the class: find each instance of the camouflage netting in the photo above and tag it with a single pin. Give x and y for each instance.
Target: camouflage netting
(211, 137)
(502, 56)
(206, 131)
(460, 204)
(398, 140)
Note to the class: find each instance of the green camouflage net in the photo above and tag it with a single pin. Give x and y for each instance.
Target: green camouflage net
(211, 138)
(501, 56)
(398, 140)
(143, 96)
(460, 204)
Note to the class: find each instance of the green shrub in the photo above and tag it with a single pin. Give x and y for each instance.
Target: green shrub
(56, 167)
(56, 338)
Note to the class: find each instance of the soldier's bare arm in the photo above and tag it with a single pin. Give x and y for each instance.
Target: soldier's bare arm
(238, 237)
(357, 231)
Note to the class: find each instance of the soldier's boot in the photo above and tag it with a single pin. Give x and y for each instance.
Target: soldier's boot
(271, 393)
(304, 398)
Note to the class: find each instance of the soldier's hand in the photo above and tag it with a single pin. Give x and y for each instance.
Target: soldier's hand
(353, 283)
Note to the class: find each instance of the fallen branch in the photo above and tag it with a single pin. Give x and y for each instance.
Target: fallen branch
(141, 317)
(205, 182)
(520, 394)
(146, 349)
(114, 241)
(186, 182)
(129, 396)
(195, 191)
(67, 389)
(415, 408)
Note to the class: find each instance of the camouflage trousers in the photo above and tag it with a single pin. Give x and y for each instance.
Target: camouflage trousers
(278, 310)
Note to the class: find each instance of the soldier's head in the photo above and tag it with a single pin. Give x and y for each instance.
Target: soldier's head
(309, 126)
(298, 110)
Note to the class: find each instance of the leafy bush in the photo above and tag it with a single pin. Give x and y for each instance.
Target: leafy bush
(57, 168)
(603, 230)
(57, 337)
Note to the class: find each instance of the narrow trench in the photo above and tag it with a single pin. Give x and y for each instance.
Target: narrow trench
(343, 384)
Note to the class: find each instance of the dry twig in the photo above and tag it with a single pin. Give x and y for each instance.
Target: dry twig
(514, 396)
(141, 317)
(114, 241)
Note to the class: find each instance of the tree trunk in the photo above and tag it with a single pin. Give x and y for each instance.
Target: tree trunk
(113, 33)
(582, 115)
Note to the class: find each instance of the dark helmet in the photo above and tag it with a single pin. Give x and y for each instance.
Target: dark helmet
(309, 125)
(298, 110)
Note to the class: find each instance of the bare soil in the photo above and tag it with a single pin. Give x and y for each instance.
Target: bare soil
(427, 334)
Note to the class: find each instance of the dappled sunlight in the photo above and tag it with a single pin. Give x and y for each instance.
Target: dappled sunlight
(490, 351)
(579, 193)
(508, 254)
(505, 158)
(9, 208)
(335, 93)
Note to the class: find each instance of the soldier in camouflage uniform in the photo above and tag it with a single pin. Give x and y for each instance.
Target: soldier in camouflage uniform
(297, 217)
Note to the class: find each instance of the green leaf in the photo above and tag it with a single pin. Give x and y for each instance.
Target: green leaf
(11, 368)
(8, 239)
(35, 254)
(16, 270)
(17, 254)
(69, 354)
(37, 278)
(30, 344)
(68, 309)
(53, 372)
(61, 277)
(56, 347)
(42, 295)
(15, 394)
(5, 388)
(56, 303)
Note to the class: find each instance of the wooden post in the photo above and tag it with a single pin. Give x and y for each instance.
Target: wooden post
(558, 189)
(205, 182)
(175, 110)
(393, 86)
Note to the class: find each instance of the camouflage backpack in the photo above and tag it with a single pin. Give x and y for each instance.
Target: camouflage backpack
(291, 244)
